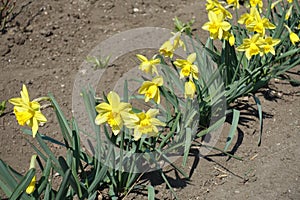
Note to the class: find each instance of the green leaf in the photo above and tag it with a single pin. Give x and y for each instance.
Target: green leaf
(125, 90)
(43, 182)
(7, 178)
(168, 184)
(259, 108)
(49, 153)
(234, 124)
(151, 192)
(63, 123)
(216, 125)
(63, 189)
(23, 185)
(187, 146)
(2, 107)
(93, 196)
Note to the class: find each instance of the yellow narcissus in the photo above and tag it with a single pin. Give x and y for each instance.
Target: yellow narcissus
(235, 3)
(148, 66)
(248, 18)
(258, 24)
(150, 89)
(255, 3)
(168, 48)
(112, 112)
(187, 66)
(27, 112)
(31, 187)
(189, 89)
(216, 25)
(294, 38)
(269, 45)
(252, 46)
(144, 123)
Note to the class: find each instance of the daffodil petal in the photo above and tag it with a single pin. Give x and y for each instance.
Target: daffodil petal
(101, 118)
(35, 127)
(40, 117)
(24, 94)
(141, 58)
(113, 99)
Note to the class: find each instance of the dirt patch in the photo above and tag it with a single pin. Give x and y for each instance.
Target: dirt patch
(45, 43)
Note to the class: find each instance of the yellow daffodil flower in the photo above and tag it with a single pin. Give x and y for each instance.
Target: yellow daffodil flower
(189, 89)
(27, 112)
(269, 45)
(148, 66)
(235, 3)
(150, 89)
(211, 4)
(216, 25)
(252, 46)
(248, 18)
(112, 112)
(290, 1)
(187, 66)
(31, 187)
(254, 3)
(168, 48)
(217, 8)
(143, 123)
(259, 25)
(294, 38)
(229, 37)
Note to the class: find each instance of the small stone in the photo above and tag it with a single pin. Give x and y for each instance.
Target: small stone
(29, 82)
(28, 28)
(46, 33)
(135, 10)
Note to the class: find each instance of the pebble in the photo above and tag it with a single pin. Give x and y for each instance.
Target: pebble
(46, 33)
(29, 82)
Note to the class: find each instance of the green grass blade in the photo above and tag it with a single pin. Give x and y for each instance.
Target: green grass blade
(168, 184)
(93, 196)
(151, 192)
(234, 124)
(63, 189)
(6, 176)
(63, 123)
(216, 125)
(188, 142)
(125, 90)
(23, 185)
(5, 188)
(43, 182)
(49, 153)
(48, 192)
(259, 108)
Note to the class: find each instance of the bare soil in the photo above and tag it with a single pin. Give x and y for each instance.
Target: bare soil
(46, 41)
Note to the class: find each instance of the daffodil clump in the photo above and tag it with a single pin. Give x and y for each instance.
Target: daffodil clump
(119, 115)
(180, 96)
(259, 36)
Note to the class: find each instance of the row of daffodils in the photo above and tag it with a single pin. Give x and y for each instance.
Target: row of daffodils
(117, 114)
